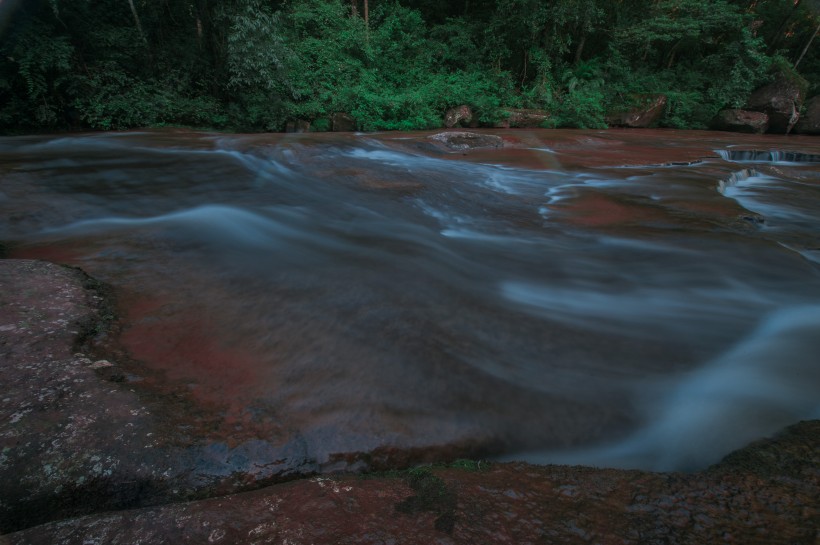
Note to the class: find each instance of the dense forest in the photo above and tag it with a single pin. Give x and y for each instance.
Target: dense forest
(390, 64)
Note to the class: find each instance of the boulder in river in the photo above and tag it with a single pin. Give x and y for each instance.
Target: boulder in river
(297, 126)
(462, 140)
(521, 118)
(646, 111)
(780, 100)
(460, 116)
(810, 120)
(741, 121)
(342, 122)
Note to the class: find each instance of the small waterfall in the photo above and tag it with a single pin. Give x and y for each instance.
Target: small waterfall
(762, 156)
(735, 178)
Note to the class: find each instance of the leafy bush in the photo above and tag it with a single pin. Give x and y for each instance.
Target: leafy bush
(38, 69)
(116, 100)
(582, 107)
(256, 64)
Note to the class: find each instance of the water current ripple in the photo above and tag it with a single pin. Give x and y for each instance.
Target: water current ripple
(363, 293)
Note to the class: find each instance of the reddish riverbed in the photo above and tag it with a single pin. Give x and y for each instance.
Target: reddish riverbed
(638, 298)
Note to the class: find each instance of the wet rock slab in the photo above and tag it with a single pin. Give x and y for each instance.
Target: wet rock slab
(68, 433)
(75, 437)
(765, 493)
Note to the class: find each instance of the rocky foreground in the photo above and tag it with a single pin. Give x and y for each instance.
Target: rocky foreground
(86, 459)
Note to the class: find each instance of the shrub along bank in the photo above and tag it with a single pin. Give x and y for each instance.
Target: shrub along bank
(388, 64)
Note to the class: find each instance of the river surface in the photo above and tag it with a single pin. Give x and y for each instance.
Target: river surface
(643, 299)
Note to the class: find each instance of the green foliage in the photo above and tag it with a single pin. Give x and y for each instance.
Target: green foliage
(781, 67)
(329, 54)
(687, 110)
(42, 62)
(257, 54)
(583, 107)
(256, 64)
(701, 55)
(431, 495)
(579, 99)
(747, 64)
(682, 31)
(454, 45)
(321, 124)
(403, 110)
(394, 75)
(39, 69)
(468, 465)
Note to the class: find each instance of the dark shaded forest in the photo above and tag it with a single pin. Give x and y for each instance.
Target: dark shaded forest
(254, 65)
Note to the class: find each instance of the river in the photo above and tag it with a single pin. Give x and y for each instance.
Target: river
(645, 299)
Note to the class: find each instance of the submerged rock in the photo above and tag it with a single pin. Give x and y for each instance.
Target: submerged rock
(765, 493)
(741, 121)
(461, 141)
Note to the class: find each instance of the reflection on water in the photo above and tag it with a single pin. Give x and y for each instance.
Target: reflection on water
(353, 293)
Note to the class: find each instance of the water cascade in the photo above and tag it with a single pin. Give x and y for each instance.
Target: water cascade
(340, 296)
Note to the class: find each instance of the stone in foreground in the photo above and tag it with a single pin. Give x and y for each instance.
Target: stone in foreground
(75, 436)
(765, 493)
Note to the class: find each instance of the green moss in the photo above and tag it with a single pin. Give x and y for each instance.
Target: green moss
(432, 495)
(469, 465)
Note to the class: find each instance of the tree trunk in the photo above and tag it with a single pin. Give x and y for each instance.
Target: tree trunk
(807, 46)
(137, 20)
(778, 35)
(580, 49)
(672, 53)
(366, 15)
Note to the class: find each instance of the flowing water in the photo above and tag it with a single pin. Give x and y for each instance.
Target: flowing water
(639, 299)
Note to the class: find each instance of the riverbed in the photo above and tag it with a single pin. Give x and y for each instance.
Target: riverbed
(643, 299)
